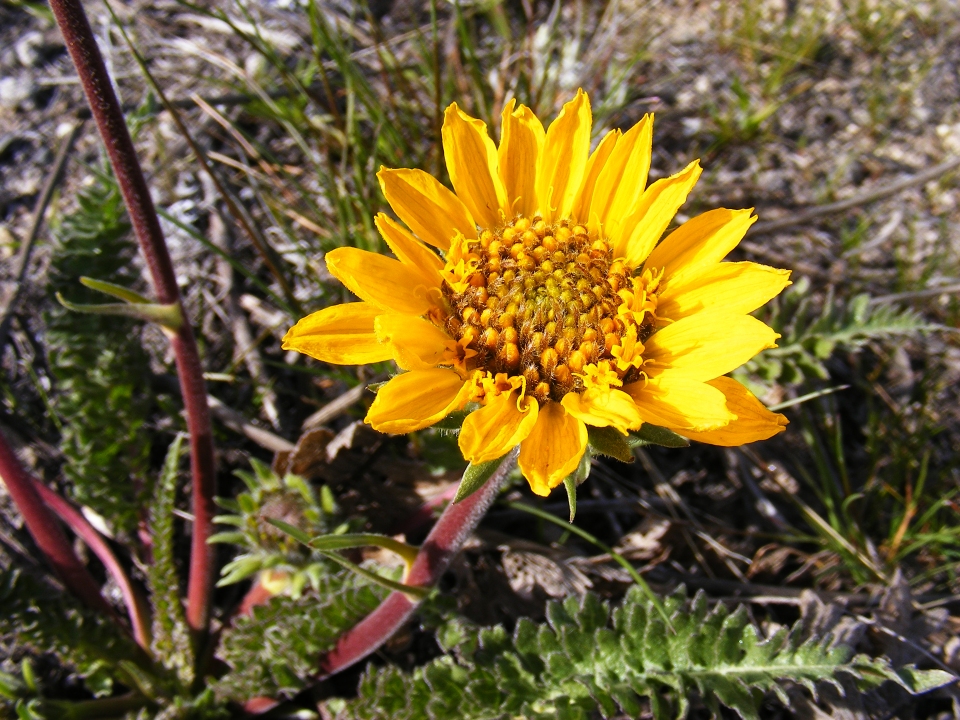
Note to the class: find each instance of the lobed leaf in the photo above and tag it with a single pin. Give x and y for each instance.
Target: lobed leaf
(587, 660)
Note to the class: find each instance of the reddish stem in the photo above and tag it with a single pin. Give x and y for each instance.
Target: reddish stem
(85, 54)
(445, 540)
(74, 519)
(43, 525)
(443, 543)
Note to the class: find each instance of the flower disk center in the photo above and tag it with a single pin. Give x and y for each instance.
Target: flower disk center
(545, 302)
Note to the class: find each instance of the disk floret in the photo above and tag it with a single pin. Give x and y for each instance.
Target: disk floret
(548, 303)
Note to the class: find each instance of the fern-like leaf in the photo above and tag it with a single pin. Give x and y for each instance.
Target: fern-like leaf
(809, 337)
(171, 635)
(586, 659)
(44, 620)
(101, 369)
(275, 650)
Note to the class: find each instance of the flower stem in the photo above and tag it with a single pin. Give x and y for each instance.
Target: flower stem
(74, 519)
(453, 528)
(106, 110)
(47, 533)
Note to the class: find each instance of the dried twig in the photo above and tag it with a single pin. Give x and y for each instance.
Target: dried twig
(665, 490)
(801, 218)
(26, 250)
(237, 422)
(335, 407)
(916, 294)
(245, 347)
(235, 208)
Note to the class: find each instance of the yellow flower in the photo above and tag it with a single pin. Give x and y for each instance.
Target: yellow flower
(552, 306)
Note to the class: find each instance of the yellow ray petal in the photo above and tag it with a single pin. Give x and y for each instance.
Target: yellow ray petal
(380, 280)
(553, 449)
(417, 344)
(707, 345)
(417, 399)
(700, 243)
(521, 142)
(472, 163)
(496, 428)
(564, 158)
(595, 164)
(624, 177)
(434, 213)
(754, 422)
(342, 334)
(639, 232)
(680, 403)
(739, 287)
(409, 250)
(604, 408)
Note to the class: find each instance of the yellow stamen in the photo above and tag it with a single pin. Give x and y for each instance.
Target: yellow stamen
(547, 304)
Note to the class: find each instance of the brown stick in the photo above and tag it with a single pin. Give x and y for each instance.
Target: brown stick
(870, 196)
(105, 108)
(36, 222)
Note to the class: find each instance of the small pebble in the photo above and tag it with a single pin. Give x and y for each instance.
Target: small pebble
(15, 90)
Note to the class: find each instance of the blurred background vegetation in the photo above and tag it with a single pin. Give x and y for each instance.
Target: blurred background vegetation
(837, 120)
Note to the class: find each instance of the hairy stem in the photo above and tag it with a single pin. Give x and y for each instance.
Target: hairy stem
(105, 108)
(45, 529)
(453, 528)
(74, 519)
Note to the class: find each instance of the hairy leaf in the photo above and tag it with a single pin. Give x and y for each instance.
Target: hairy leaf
(274, 651)
(586, 660)
(44, 619)
(809, 336)
(171, 634)
(102, 393)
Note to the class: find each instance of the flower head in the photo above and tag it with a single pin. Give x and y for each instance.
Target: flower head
(551, 306)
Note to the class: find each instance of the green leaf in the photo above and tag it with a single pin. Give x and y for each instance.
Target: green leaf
(582, 472)
(414, 591)
(587, 660)
(328, 502)
(353, 540)
(240, 569)
(453, 421)
(811, 334)
(29, 675)
(274, 650)
(38, 617)
(11, 687)
(654, 435)
(608, 441)
(475, 477)
(291, 530)
(169, 316)
(570, 485)
(102, 392)
(170, 633)
(921, 681)
(117, 291)
(233, 538)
